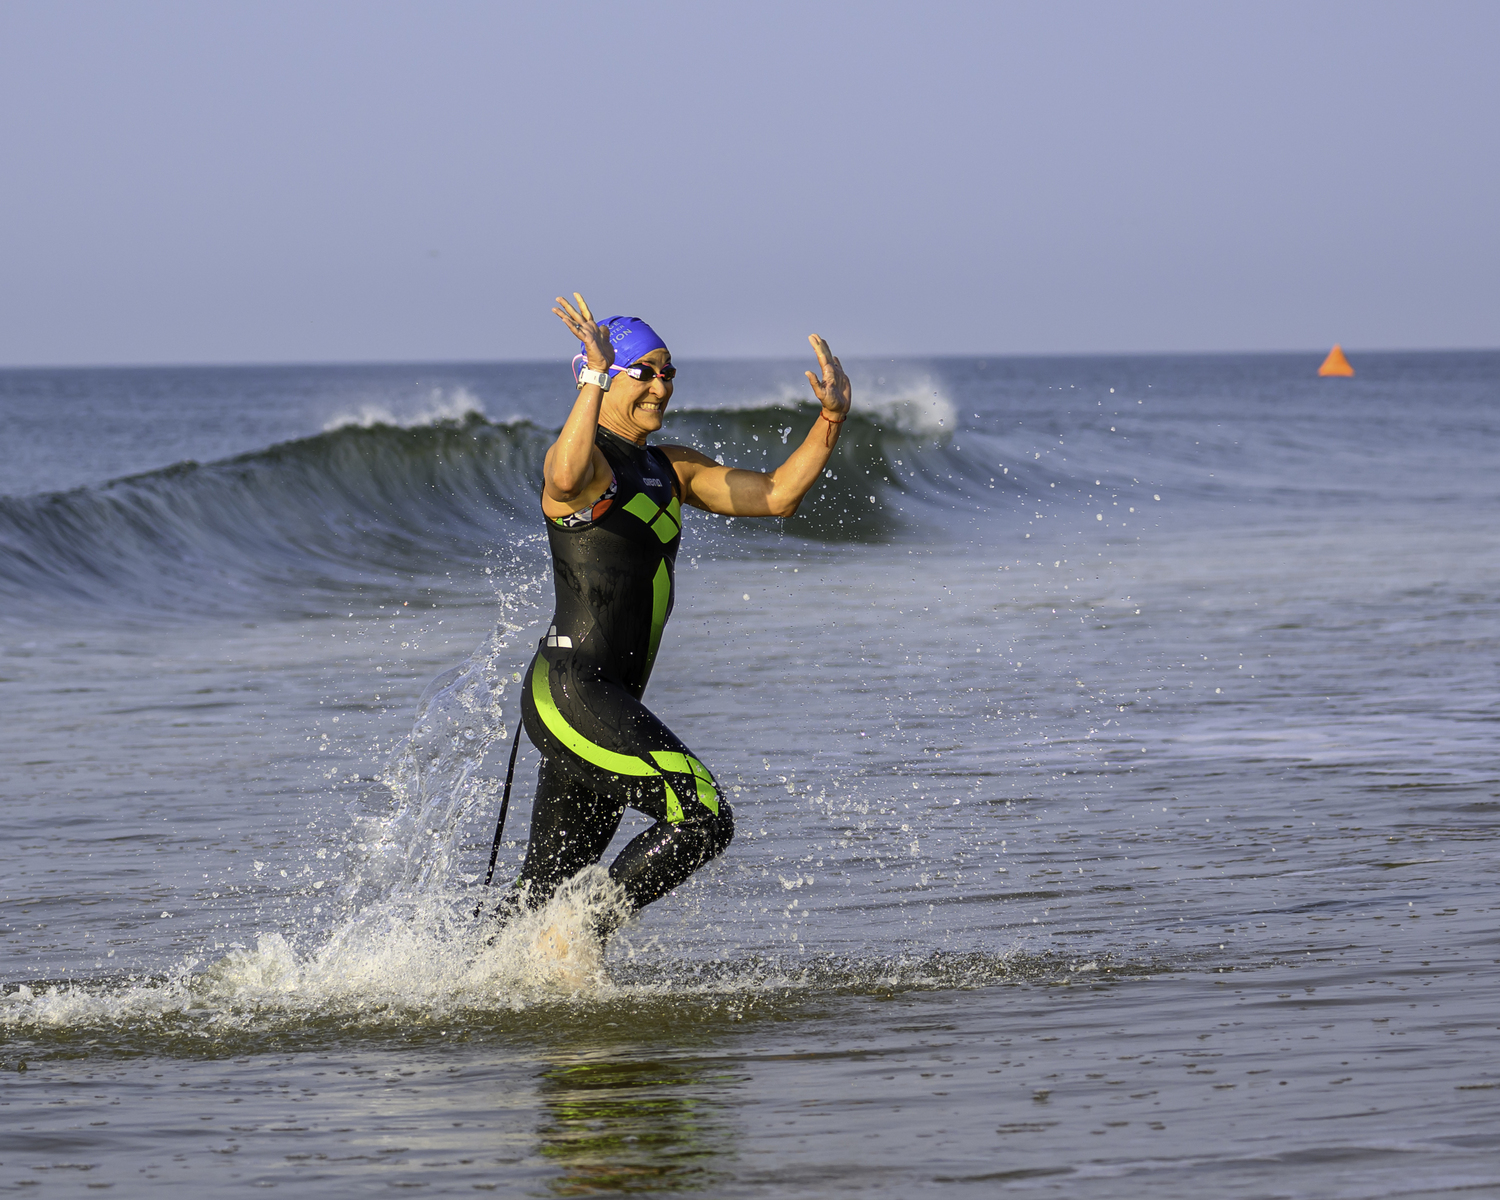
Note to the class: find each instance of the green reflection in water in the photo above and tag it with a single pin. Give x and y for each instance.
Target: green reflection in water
(635, 1126)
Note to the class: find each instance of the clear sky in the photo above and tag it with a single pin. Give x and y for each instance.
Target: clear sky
(272, 181)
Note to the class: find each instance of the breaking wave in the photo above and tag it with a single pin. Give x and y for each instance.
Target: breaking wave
(369, 502)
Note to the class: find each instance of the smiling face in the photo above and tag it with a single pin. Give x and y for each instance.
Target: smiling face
(633, 408)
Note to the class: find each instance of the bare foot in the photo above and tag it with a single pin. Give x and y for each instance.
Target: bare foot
(568, 958)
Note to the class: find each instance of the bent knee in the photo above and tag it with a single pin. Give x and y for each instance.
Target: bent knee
(725, 825)
(713, 831)
(721, 829)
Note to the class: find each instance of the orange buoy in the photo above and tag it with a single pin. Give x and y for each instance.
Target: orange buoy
(1336, 363)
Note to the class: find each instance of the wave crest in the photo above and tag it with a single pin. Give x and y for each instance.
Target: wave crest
(457, 405)
(917, 405)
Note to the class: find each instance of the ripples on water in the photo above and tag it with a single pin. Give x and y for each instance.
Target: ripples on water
(1090, 842)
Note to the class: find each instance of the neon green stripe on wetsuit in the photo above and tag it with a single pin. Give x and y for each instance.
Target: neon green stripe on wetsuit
(609, 760)
(591, 752)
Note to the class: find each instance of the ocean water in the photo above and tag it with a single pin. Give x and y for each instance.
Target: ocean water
(1112, 743)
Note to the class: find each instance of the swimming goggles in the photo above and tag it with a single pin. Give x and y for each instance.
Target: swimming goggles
(645, 372)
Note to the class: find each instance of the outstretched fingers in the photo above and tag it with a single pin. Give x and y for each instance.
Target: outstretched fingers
(825, 365)
(579, 319)
(569, 318)
(820, 348)
(833, 390)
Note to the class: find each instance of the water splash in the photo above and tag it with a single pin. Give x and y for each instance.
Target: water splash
(408, 978)
(402, 958)
(433, 780)
(427, 954)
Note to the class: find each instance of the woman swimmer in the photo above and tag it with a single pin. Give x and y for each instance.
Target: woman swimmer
(614, 517)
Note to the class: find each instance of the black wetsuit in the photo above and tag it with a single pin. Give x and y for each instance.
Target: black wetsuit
(602, 749)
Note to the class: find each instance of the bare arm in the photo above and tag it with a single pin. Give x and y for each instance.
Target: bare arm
(735, 492)
(574, 469)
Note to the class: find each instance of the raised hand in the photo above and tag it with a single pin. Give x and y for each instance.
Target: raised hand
(833, 390)
(581, 324)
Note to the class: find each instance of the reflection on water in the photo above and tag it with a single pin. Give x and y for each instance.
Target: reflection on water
(631, 1126)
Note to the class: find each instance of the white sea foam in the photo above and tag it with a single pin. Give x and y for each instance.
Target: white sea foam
(397, 959)
(913, 405)
(427, 959)
(427, 955)
(401, 963)
(436, 406)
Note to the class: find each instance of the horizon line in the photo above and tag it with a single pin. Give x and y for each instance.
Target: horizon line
(1009, 356)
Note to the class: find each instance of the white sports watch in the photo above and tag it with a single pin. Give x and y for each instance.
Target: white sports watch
(599, 379)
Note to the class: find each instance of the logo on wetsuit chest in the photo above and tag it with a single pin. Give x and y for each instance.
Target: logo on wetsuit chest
(664, 519)
(653, 482)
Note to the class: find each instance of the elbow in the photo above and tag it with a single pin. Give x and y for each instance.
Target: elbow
(566, 481)
(782, 497)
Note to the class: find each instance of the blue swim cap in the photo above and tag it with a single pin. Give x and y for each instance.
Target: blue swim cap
(632, 339)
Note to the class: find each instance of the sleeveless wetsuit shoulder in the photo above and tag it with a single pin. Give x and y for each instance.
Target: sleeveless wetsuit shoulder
(614, 565)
